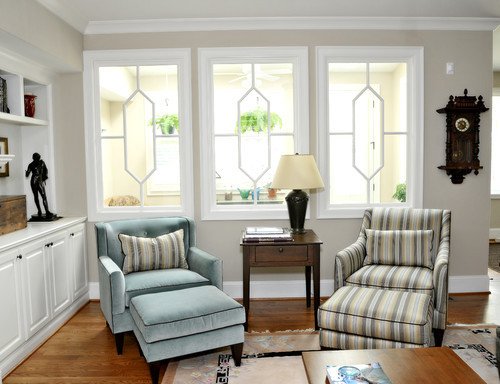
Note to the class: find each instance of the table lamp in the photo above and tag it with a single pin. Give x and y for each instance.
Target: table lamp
(297, 172)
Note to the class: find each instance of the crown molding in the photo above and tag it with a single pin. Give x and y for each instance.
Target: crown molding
(292, 23)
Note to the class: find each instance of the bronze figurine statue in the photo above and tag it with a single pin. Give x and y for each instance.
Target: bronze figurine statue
(39, 174)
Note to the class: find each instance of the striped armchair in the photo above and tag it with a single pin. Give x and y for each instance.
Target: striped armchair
(354, 268)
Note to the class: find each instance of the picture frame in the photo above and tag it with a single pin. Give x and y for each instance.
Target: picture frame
(4, 150)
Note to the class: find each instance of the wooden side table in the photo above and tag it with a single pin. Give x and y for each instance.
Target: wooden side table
(304, 250)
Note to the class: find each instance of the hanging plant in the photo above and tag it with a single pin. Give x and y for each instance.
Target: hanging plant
(256, 121)
(400, 193)
(168, 124)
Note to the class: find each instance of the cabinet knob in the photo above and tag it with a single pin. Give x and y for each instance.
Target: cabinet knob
(72, 234)
(280, 249)
(19, 257)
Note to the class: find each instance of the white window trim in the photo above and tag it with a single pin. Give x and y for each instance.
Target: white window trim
(206, 58)
(92, 61)
(414, 56)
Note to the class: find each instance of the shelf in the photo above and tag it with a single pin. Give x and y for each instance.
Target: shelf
(21, 120)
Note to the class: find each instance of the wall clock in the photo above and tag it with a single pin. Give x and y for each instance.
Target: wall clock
(462, 136)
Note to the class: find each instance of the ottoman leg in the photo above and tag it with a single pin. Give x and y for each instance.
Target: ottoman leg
(154, 370)
(236, 351)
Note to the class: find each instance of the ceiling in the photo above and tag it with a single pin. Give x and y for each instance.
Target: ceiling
(83, 14)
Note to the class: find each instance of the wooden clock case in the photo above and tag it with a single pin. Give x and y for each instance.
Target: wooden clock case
(462, 136)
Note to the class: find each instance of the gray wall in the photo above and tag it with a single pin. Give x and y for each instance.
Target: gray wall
(469, 202)
(24, 25)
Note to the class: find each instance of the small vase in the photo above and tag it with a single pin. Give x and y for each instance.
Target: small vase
(29, 105)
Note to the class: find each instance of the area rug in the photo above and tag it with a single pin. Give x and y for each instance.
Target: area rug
(267, 356)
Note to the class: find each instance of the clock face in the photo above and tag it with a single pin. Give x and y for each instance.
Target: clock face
(462, 124)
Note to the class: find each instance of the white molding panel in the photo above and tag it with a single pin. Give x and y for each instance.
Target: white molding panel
(291, 23)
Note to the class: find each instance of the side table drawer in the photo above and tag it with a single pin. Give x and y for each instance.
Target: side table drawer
(280, 253)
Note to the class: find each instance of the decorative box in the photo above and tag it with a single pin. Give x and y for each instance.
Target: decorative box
(12, 213)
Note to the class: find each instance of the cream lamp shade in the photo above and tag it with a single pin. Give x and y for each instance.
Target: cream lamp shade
(297, 172)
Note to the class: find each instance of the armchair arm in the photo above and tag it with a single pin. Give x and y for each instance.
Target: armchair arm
(111, 288)
(348, 261)
(440, 282)
(205, 264)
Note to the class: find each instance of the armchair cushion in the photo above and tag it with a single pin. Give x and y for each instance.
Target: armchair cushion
(161, 280)
(415, 279)
(162, 252)
(399, 247)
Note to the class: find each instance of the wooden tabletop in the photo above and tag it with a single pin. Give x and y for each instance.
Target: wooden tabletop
(404, 366)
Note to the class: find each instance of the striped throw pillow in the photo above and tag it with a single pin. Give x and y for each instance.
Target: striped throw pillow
(146, 253)
(410, 248)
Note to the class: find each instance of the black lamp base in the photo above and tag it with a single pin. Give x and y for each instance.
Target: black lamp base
(296, 201)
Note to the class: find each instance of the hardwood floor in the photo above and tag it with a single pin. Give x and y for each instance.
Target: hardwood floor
(83, 350)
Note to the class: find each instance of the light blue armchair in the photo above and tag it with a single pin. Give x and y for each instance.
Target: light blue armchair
(116, 289)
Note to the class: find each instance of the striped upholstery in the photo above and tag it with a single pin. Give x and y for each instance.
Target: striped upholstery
(415, 279)
(396, 316)
(162, 252)
(351, 259)
(399, 247)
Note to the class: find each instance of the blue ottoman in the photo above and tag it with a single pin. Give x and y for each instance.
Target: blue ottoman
(177, 323)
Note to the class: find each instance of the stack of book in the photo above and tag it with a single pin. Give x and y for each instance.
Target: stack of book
(266, 234)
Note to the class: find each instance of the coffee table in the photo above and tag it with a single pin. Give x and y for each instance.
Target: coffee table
(404, 366)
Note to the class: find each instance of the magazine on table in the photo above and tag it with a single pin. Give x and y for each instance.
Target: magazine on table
(357, 374)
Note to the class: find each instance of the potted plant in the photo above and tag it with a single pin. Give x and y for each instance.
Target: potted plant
(400, 193)
(168, 123)
(256, 121)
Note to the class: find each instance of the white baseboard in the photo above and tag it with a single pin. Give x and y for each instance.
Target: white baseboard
(469, 284)
(274, 289)
(28, 347)
(264, 289)
(495, 233)
(93, 291)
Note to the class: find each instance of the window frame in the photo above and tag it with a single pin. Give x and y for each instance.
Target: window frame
(93, 60)
(207, 57)
(414, 58)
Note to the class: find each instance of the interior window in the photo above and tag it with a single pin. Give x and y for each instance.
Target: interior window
(364, 136)
(256, 119)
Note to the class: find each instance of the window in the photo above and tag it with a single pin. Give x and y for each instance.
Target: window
(138, 132)
(370, 128)
(495, 139)
(254, 108)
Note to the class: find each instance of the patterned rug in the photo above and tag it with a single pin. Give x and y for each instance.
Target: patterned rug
(270, 355)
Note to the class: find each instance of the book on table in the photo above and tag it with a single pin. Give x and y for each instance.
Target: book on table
(356, 374)
(266, 234)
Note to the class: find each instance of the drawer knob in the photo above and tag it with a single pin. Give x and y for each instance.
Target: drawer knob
(281, 249)
(19, 257)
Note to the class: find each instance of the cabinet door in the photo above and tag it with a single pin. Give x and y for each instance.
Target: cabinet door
(78, 253)
(60, 269)
(11, 303)
(35, 281)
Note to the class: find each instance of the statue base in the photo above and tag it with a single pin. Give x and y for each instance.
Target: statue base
(44, 218)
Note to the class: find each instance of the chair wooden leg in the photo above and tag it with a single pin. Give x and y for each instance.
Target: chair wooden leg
(236, 351)
(119, 342)
(154, 370)
(438, 336)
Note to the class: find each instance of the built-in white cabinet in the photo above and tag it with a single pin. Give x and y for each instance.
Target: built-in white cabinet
(35, 285)
(12, 333)
(77, 247)
(43, 282)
